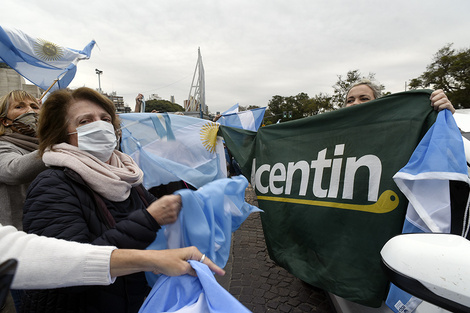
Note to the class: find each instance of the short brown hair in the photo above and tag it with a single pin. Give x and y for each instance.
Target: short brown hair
(6, 100)
(53, 123)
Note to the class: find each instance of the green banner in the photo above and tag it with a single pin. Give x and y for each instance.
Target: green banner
(325, 185)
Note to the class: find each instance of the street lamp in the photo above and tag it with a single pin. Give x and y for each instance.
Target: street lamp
(97, 71)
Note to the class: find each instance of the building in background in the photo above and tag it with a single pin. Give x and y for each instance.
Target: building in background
(154, 96)
(11, 80)
(118, 102)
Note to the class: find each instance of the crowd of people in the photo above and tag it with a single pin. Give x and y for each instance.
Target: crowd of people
(85, 216)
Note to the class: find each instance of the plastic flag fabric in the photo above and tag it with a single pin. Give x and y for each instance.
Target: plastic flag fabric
(249, 120)
(184, 294)
(207, 219)
(425, 181)
(40, 61)
(169, 148)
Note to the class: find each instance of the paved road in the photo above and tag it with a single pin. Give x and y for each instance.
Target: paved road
(258, 283)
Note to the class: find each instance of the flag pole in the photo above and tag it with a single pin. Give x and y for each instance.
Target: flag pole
(45, 92)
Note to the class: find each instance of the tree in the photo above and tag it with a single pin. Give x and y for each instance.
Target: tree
(162, 106)
(295, 107)
(342, 86)
(449, 71)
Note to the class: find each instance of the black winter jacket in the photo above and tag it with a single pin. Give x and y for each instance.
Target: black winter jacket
(59, 204)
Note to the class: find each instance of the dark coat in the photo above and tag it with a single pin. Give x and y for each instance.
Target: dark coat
(59, 204)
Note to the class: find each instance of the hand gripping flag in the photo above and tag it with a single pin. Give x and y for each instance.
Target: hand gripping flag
(40, 61)
(207, 219)
(325, 186)
(249, 120)
(436, 183)
(188, 294)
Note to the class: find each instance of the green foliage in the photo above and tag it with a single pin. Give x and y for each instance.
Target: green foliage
(449, 71)
(249, 107)
(295, 107)
(162, 106)
(4, 65)
(301, 105)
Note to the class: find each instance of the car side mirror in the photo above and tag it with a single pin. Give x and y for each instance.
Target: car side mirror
(433, 267)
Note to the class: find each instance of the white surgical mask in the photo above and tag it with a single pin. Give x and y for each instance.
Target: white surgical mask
(97, 138)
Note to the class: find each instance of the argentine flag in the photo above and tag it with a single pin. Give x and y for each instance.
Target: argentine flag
(425, 181)
(170, 148)
(233, 109)
(249, 120)
(40, 61)
(207, 220)
(188, 294)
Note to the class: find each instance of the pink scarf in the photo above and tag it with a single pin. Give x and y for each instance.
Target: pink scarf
(112, 181)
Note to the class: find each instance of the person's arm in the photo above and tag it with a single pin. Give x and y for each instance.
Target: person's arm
(17, 168)
(172, 262)
(51, 263)
(138, 103)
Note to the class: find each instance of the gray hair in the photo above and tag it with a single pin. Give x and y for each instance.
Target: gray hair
(376, 89)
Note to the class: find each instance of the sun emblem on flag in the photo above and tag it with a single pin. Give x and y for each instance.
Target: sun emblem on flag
(208, 136)
(47, 50)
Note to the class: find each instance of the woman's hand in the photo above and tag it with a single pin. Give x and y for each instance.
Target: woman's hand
(170, 262)
(439, 101)
(166, 209)
(174, 262)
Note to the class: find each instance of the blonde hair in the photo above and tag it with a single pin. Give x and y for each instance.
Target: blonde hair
(376, 89)
(12, 97)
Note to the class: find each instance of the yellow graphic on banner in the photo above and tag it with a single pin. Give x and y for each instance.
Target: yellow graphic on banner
(387, 202)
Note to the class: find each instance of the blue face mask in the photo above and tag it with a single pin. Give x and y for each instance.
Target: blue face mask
(97, 138)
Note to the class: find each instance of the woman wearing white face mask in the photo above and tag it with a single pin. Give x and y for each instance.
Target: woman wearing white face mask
(91, 193)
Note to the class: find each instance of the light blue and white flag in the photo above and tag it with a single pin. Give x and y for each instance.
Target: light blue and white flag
(249, 120)
(207, 220)
(40, 61)
(169, 148)
(188, 294)
(438, 159)
(233, 109)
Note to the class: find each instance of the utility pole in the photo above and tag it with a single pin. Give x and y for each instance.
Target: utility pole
(97, 71)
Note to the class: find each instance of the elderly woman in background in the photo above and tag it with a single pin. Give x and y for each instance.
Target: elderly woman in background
(365, 90)
(92, 193)
(19, 160)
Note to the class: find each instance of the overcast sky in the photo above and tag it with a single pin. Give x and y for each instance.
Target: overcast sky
(251, 49)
